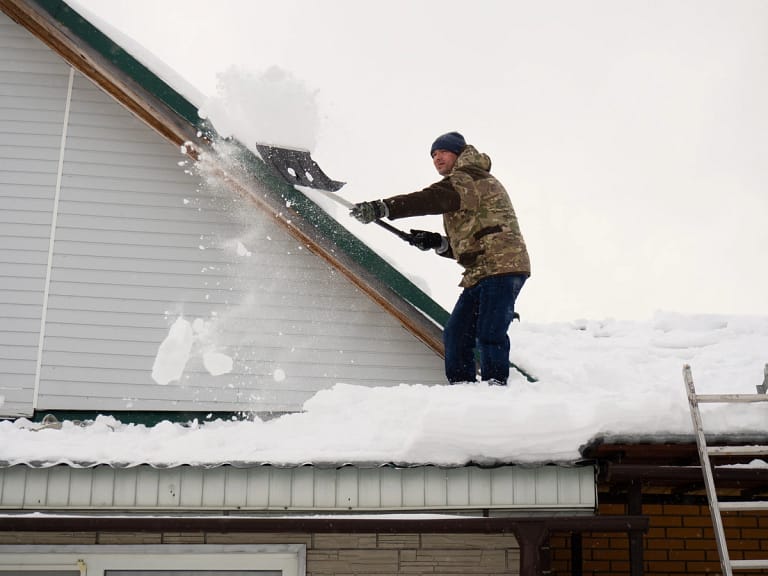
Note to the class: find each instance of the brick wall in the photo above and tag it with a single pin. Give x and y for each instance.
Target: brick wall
(680, 540)
(339, 554)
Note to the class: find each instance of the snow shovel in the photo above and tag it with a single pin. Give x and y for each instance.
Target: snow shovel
(296, 166)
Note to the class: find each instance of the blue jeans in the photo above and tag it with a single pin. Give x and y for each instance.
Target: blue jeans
(480, 320)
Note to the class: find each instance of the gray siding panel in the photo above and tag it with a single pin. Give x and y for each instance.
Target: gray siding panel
(33, 87)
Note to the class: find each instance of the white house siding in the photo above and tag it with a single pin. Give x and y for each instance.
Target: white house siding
(140, 241)
(33, 88)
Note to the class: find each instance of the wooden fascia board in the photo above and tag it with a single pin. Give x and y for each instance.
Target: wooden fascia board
(335, 524)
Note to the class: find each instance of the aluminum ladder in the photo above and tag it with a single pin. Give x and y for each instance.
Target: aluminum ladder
(707, 453)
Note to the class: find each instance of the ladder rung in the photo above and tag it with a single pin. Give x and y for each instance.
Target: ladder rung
(744, 505)
(731, 397)
(737, 450)
(749, 564)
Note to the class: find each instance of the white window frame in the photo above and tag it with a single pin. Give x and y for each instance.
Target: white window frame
(94, 560)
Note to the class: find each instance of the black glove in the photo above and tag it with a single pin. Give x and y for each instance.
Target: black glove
(367, 212)
(424, 240)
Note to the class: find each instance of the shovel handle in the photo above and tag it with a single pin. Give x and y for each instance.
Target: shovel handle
(404, 235)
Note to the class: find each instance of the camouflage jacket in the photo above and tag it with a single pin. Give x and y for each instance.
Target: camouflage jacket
(479, 220)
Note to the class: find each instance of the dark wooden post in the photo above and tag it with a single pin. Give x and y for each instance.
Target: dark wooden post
(635, 508)
(530, 537)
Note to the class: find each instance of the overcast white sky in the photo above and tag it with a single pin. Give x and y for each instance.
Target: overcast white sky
(631, 135)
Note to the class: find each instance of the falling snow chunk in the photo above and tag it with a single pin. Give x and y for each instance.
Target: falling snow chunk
(173, 353)
(217, 363)
(278, 375)
(242, 250)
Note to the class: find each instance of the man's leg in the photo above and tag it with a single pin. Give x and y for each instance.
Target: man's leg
(459, 339)
(496, 309)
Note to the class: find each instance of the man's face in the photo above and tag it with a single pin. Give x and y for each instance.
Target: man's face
(444, 161)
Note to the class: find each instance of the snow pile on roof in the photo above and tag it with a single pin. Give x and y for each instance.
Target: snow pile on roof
(595, 378)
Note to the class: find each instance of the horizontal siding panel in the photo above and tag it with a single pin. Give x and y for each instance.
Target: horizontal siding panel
(45, 125)
(261, 337)
(32, 244)
(19, 311)
(24, 325)
(143, 191)
(19, 338)
(23, 256)
(158, 240)
(15, 191)
(47, 107)
(15, 179)
(180, 274)
(25, 217)
(190, 226)
(99, 208)
(29, 66)
(129, 196)
(175, 398)
(28, 86)
(18, 152)
(16, 387)
(18, 366)
(22, 271)
(301, 351)
(126, 150)
(18, 352)
(100, 162)
(21, 297)
(94, 268)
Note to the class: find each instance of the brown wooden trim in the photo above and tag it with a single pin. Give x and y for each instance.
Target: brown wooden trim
(337, 524)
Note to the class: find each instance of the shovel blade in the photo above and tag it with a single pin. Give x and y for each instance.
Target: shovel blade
(297, 167)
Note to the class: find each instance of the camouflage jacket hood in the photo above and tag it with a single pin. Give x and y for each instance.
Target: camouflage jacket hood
(483, 233)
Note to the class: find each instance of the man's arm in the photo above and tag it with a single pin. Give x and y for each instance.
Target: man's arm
(438, 198)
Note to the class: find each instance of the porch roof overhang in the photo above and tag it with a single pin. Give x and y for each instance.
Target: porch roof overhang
(296, 490)
(669, 465)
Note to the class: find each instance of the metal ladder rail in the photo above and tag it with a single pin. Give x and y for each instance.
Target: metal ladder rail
(707, 452)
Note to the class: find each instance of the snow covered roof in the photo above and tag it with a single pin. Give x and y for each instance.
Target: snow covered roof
(596, 379)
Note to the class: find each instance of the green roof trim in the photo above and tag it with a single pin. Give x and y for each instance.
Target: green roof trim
(305, 207)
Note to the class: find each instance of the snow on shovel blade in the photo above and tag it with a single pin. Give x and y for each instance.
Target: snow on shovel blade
(297, 167)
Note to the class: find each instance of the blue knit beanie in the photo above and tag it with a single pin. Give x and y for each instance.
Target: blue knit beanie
(451, 141)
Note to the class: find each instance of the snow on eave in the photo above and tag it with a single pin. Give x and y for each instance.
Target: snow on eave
(43, 464)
